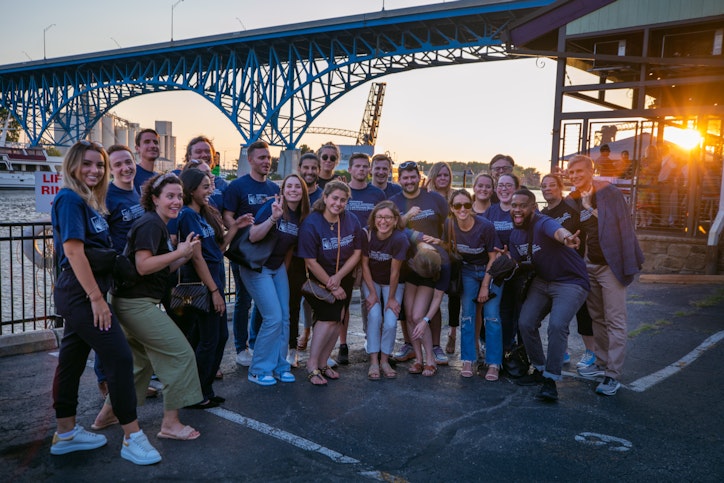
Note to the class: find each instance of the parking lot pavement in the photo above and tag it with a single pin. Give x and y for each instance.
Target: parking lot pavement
(667, 427)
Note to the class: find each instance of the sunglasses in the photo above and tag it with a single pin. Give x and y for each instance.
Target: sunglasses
(457, 206)
(90, 144)
(162, 178)
(332, 157)
(502, 169)
(408, 165)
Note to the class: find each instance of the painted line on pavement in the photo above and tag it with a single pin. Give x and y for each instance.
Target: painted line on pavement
(640, 385)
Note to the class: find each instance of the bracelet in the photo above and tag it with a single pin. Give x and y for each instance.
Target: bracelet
(274, 222)
(88, 295)
(215, 290)
(426, 319)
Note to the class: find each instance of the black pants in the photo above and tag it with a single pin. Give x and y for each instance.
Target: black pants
(80, 336)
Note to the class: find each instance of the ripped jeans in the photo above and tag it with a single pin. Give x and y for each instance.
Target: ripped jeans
(472, 278)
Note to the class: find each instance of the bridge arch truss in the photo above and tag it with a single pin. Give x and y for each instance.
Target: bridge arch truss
(270, 83)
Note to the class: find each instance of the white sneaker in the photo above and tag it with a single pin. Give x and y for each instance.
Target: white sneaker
(243, 358)
(137, 449)
(331, 362)
(293, 358)
(80, 440)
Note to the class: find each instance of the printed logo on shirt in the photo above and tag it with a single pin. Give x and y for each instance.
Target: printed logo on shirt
(503, 225)
(425, 214)
(331, 243)
(288, 227)
(523, 249)
(586, 214)
(565, 216)
(380, 256)
(468, 250)
(130, 214)
(359, 205)
(99, 224)
(256, 199)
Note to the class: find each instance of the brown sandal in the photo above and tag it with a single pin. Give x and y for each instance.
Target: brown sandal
(316, 373)
(329, 373)
(388, 371)
(373, 374)
(415, 368)
(429, 371)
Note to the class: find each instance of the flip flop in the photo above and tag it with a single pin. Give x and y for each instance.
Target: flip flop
(329, 373)
(104, 425)
(186, 434)
(316, 373)
(373, 374)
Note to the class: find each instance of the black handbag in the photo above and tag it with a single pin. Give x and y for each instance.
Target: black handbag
(105, 261)
(252, 255)
(455, 287)
(516, 362)
(190, 295)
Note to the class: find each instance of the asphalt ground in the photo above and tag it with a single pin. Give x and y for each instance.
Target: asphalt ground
(665, 424)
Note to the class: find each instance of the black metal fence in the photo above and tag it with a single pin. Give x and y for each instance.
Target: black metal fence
(27, 278)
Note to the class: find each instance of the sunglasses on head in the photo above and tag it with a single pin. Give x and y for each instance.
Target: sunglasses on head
(331, 157)
(89, 144)
(408, 165)
(466, 205)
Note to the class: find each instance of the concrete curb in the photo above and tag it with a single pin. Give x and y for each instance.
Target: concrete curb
(680, 279)
(27, 342)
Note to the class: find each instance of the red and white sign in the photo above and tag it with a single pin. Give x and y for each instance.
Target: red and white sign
(47, 186)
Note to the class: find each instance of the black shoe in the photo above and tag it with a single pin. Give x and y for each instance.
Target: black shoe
(548, 391)
(208, 404)
(343, 354)
(532, 379)
(217, 399)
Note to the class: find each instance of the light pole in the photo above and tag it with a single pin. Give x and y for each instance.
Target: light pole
(45, 30)
(172, 9)
(243, 27)
(26, 55)
(116, 42)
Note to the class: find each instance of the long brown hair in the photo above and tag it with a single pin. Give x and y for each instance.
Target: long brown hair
(303, 207)
(96, 196)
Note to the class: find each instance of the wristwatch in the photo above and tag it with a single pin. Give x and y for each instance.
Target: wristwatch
(426, 319)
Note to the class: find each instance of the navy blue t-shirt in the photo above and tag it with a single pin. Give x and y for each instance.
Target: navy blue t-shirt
(217, 197)
(246, 195)
(317, 240)
(73, 219)
(570, 219)
(382, 252)
(142, 175)
(123, 208)
(315, 195)
(190, 221)
(363, 201)
(287, 233)
(475, 244)
(502, 222)
(553, 261)
(433, 211)
(392, 189)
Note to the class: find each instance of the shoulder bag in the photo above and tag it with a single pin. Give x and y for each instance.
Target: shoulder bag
(193, 295)
(313, 288)
(252, 255)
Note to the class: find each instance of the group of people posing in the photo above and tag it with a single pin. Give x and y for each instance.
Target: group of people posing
(405, 245)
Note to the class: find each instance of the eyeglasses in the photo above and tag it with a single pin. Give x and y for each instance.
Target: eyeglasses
(161, 179)
(466, 205)
(89, 144)
(332, 157)
(502, 169)
(506, 186)
(384, 217)
(408, 165)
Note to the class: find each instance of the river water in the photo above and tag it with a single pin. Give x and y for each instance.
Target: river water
(18, 206)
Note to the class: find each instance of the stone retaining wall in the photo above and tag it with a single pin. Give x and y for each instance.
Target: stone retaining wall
(669, 254)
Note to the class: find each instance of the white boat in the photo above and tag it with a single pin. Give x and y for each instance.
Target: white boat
(18, 166)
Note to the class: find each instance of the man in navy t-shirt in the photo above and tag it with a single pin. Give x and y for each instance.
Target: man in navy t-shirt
(244, 197)
(422, 211)
(364, 195)
(202, 149)
(381, 169)
(122, 200)
(147, 141)
(560, 287)
(308, 169)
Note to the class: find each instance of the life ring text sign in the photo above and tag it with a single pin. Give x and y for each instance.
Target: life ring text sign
(47, 186)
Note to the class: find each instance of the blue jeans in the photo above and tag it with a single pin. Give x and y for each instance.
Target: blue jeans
(381, 331)
(270, 291)
(472, 278)
(562, 301)
(240, 320)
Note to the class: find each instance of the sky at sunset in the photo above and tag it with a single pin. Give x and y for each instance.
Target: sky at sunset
(455, 113)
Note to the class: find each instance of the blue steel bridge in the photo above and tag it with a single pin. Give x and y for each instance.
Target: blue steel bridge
(271, 83)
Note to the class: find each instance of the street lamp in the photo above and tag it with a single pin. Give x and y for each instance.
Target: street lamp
(243, 27)
(28, 56)
(172, 9)
(45, 30)
(116, 42)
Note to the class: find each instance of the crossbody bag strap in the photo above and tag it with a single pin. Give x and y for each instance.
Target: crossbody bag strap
(339, 242)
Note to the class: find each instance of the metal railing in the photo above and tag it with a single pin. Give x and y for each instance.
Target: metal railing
(27, 278)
